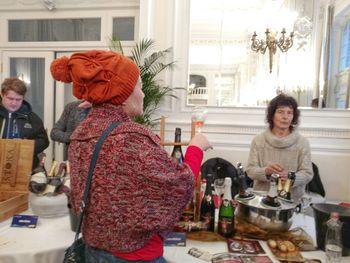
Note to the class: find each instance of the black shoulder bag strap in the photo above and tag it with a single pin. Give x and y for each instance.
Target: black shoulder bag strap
(84, 202)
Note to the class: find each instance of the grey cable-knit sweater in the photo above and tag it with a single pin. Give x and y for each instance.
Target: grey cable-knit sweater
(292, 152)
(69, 120)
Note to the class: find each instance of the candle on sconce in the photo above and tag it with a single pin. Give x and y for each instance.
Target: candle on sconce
(271, 36)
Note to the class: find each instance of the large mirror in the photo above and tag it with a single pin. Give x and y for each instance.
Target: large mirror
(226, 69)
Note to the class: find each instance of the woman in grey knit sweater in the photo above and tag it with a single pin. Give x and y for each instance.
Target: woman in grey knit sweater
(73, 113)
(280, 148)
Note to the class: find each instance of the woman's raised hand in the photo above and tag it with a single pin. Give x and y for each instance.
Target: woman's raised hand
(201, 141)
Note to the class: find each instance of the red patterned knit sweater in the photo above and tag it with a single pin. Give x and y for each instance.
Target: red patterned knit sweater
(137, 191)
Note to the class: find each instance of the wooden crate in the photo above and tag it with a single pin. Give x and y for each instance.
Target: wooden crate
(16, 157)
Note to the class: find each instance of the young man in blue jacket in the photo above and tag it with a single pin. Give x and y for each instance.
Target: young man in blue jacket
(17, 120)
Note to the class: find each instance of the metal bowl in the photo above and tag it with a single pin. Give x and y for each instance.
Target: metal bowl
(267, 218)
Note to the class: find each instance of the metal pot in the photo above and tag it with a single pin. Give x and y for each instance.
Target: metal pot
(267, 218)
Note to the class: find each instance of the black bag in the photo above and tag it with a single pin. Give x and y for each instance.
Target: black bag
(75, 253)
(221, 168)
(316, 185)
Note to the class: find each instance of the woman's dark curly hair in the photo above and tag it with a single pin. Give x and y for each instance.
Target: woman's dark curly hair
(282, 100)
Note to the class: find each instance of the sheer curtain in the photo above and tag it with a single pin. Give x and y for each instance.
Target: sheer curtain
(325, 57)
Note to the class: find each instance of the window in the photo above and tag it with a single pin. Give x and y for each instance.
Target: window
(124, 28)
(224, 89)
(345, 48)
(36, 30)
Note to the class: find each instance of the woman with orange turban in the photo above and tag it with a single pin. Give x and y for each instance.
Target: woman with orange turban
(138, 192)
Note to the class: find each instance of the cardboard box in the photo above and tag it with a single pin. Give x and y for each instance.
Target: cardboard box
(16, 157)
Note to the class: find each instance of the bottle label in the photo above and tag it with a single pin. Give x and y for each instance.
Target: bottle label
(226, 226)
(208, 221)
(178, 155)
(187, 216)
(188, 213)
(283, 194)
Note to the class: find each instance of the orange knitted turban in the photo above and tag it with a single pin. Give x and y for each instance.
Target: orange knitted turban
(98, 76)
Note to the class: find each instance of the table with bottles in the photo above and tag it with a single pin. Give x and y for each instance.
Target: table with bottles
(180, 254)
(46, 243)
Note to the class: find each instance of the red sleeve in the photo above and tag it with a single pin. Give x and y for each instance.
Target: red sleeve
(194, 157)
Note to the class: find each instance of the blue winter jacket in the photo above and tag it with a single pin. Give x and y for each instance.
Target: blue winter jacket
(24, 124)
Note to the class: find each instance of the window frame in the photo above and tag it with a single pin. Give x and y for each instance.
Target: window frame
(106, 28)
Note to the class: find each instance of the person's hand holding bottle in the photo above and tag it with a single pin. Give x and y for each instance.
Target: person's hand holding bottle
(275, 168)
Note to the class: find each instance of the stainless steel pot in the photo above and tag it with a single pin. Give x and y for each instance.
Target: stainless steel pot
(267, 218)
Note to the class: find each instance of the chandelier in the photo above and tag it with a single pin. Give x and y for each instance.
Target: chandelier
(272, 42)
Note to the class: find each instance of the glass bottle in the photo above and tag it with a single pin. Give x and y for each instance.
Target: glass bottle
(177, 151)
(226, 212)
(60, 177)
(52, 180)
(285, 192)
(66, 179)
(271, 197)
(188, 214)
(207, 210)
(38, 178)
(279, 186)
(243, 193)
(333, 241)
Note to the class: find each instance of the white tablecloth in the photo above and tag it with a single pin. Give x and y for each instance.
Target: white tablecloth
(46, 243)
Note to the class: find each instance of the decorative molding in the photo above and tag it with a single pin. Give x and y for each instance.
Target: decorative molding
(251, 129)
(245, 146)
(234, 136)
(326, 133)
(6, 5)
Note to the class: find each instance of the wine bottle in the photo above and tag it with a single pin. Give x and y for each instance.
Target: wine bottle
(60, 177)
(38, 180)
(66, 179)
(280, 185)
(207, 209)
(52, 181)
(285, 192)
(243, 193)
(226, 212)
(65, 186)
(271, 198)
(177, 151)
(188, 213)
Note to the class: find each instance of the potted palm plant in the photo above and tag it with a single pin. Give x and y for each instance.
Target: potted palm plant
(151, 64)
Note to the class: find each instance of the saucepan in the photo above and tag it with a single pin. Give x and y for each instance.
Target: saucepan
(268, 218)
